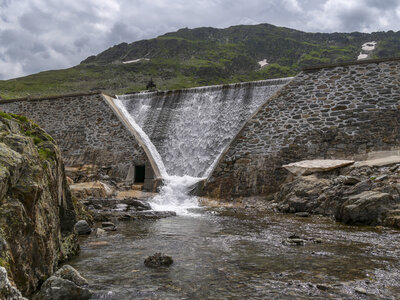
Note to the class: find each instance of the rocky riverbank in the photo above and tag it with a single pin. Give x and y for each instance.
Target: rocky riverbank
(366, 193)
(101, 199)
(37, 215)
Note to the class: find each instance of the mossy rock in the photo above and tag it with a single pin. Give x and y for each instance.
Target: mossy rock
(36, 210)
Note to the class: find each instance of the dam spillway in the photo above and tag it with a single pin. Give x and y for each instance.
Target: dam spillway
(190, 128)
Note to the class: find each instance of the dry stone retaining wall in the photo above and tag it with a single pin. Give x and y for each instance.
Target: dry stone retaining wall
(333, 112)
(86, 130)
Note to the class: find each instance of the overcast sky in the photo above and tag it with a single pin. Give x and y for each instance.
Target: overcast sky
(37, 35)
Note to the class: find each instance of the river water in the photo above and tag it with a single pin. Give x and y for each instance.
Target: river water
(238, 254)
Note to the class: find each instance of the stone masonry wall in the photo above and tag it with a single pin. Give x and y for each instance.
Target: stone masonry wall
(86, 130)
(333, 112)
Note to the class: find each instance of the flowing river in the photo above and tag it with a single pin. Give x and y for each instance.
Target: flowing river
(237, 254)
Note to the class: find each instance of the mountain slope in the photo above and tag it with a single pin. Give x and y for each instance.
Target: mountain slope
(204, 56)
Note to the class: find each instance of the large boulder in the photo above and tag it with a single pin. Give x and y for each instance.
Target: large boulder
(369, 207)
(356, 194)
(158, 260)
(37, 215)
(96, 189)
(82, 227)
(65, 284)
(7, 291)
(56, 288)
(69, 273)
(302, 195)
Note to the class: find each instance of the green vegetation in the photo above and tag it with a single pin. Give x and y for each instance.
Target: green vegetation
(82, 213)
(203, 56)
(42, 140)
(46, 153)
(4, 263)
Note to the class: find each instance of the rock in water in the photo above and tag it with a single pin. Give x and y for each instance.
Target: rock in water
(56, 288)
(66, 283)
(294, 240)
(139, 204)
(158, 260)
(69, 273)
(109, 226)
(367, 207)
(37, 214)
(302, 214)
(100, 232)
(8, 292)
(82, 227)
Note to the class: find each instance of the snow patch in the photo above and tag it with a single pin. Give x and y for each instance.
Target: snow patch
(263, 63)
(369, 46)
(366, 47)
(135, 60)
(362, 56)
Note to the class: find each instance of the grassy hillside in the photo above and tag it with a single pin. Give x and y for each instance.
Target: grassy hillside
(203, 56)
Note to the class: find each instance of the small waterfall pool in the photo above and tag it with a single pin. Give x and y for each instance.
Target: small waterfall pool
(236, 254)
(173, 196)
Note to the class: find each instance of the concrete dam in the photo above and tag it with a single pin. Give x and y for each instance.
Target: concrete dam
(233, 137)
(152, 135)
(191, 127)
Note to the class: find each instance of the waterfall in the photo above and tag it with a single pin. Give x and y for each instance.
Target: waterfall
(191, 127)
(157, 158)
(188, 129)
(173, 195)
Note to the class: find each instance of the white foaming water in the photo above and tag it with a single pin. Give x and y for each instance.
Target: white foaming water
(174, 196)
(186, 131)
(143, 135)
(107, 188)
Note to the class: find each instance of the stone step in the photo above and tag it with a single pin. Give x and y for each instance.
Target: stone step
(104, 215)
(394, 213)
(393, 221)
(117, 204)
(137, 187)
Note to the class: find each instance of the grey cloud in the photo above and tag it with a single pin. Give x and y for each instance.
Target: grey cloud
(18, 45)
(37, 63)
(4, 3)
(37, 47)
(36, 21)
(383, 4)
(7, 37)
(47, 34)
(81, 42)
(357, 19)
(63, 48)
(121, 32)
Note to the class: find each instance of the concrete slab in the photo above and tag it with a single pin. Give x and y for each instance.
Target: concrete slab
(379, 162)
(306, 167)
(134, 194)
